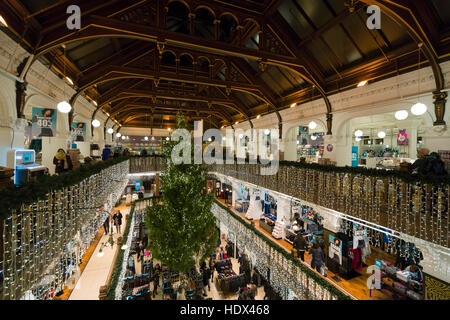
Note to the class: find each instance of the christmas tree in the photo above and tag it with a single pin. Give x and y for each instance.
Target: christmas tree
(182, 230)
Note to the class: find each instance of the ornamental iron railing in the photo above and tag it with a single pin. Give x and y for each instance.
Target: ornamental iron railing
(41, 244)
(416, 208)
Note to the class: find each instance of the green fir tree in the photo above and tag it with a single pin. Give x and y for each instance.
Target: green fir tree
(182, 229)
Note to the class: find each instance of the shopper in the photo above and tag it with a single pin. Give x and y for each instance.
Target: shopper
(206, 276)
(420, 164)
(300, 246)
(435, 165)
(62, 162)
(117, 219)
(155, 282)
(106, 225)
(317, 257)
(106, 153)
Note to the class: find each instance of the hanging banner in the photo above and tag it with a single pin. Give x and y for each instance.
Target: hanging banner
(335, 249)
(303, 135)
(402, 138)
(78, 131)
(43, 122)
(354, 156)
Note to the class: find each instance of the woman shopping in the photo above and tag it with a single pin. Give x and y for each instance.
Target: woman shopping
(117, 219)
(317, 257)
(62, 162)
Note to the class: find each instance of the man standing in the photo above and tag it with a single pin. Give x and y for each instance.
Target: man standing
(421, 163)
(300, 245)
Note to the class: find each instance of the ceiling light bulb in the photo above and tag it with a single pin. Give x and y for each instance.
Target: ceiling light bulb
(267, 132)
(3, 21)
(123, 137)
(168, 129)
(358, 138)
(224, 138)
(153, 138)
(293, 105)
(95, 103)
(418, 109)
(69, 81)
(241, 136)
(146, 138)
(381, 134)
(358, 133)
(167, 138)
(100, 254)
(118, 135)
(313, 137)
(110, 131)
(237, 122)
(401, 115)
(95, 123)
(362, 83)
(209, 139)
(312, 125)
(64, 107)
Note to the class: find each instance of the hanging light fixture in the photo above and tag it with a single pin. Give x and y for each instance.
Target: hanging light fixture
(381, 134)
(313, 137)
(95, 103)
(118, 134)
(358, 139)
(312, 125)
(258, 116)
(358, 133)
(401, 115)
(224, 138)
(95, 123)
(146, 138)
(293, 105)
(267, 132)
(209, 139)
(110, 131)
(124, 137)
(167, 138)
(418, 108)
(237, 122)
(64, 107)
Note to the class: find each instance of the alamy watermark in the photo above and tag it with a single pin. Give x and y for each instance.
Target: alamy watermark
(254, 145)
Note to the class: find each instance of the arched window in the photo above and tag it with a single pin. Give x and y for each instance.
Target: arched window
(177, 17)
(227, 28)
(204, 23)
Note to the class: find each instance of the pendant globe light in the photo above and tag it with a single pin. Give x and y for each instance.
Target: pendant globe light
(118, 134)
(381, 134)
(358, 133)
(146, 138)
(401, 115)
(64, 106)
(418, 108)
(313, 137)
(95, 123)
(358, 139)
(312, 125)
(110, 131)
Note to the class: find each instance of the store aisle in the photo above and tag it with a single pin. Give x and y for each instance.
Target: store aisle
(96, 272)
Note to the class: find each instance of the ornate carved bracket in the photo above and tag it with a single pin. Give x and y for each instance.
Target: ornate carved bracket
(439, 106)
(21, 88)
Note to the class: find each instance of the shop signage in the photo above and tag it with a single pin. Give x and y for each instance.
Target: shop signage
(43, 122)
(354, 156)
(303, 135)
(78, 131)
(137, 185)
(329, 147)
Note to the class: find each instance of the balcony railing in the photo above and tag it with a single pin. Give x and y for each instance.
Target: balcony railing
(41, 242)
(417, 206)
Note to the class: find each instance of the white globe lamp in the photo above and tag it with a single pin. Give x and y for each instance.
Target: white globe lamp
(95, 123)
(64, 107)
(110, 131)
(118, 135)
(418, 109)
(312, 125)
(358, 133)
(401, 115)
(381, 134)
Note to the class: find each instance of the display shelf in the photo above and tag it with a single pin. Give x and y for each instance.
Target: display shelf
(278, 230)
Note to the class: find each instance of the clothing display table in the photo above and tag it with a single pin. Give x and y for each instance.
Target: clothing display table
(278, 230)
(264, 224)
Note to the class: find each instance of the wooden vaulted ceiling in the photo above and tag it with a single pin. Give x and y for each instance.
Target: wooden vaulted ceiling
(143, 61)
